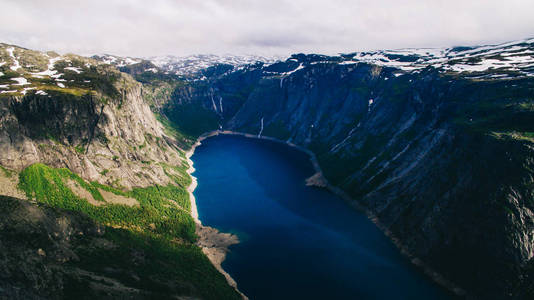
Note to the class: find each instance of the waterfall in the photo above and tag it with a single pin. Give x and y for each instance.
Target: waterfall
(261, 127)
(213, 102)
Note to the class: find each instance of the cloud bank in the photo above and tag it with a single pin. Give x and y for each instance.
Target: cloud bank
(281, 27)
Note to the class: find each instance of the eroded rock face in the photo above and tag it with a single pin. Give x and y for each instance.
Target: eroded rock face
(114, 140)
(440, 159)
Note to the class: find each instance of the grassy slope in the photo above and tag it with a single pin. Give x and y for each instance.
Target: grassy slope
(165, 231)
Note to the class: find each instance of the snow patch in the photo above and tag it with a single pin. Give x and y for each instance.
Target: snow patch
(26, 90)
(20, 81)
(16, 64)
(49, 71)
(74, 69)
(300, 67)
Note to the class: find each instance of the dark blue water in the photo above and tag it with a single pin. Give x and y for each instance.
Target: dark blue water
(297, 242)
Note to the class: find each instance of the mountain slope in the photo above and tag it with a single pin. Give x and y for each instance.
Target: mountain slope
(437, 146)
(80, 143)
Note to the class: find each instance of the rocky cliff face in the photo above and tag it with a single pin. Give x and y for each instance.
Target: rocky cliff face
(442, 158)
(105, 133)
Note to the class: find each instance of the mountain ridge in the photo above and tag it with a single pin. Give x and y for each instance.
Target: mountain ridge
(438, 148)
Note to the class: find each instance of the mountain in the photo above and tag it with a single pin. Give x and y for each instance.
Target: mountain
(194, 64)
(503, 61)
(184, 66)
(435, 145)
(95, 200)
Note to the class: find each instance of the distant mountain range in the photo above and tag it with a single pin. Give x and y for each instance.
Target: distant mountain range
(186, 65)
(503, 60)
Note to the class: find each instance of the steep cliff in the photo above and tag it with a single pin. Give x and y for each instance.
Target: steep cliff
(109, 214)
(438, 149)
(108, 135)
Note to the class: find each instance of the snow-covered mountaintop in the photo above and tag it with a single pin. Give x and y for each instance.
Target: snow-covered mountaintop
(25, 71)
(189, 65)
(508, 59)
(116, 60)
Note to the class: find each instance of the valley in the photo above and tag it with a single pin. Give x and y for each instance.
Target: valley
(435, 146)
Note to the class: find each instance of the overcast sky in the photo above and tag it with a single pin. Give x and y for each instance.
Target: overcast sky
(181, 27)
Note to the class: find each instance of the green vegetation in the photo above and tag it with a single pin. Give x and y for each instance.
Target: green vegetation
(162, 210)
(168, 268)
(170, 129)
(278, 130)
(80, 149)
(156, 267)
(515, 135)
(160, 227)
(506, 107)
(193, 119)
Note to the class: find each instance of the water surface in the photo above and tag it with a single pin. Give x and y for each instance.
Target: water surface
(297, 242)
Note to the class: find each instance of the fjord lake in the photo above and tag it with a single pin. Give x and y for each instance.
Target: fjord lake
(296, 241)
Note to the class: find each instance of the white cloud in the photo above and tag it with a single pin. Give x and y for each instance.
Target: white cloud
(180, 27)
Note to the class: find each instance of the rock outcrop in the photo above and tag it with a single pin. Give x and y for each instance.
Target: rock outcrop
(115, 139)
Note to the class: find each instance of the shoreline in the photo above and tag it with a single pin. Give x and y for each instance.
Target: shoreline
(214, 244)
(320, 181)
